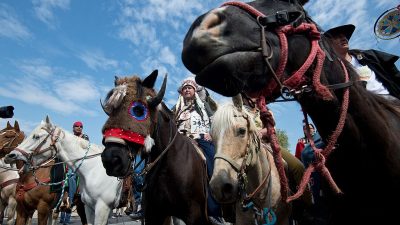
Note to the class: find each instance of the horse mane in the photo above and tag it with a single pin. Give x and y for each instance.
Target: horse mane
(225, 118)
(82, 143)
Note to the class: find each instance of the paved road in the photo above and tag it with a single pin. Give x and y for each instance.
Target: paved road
(75, 220)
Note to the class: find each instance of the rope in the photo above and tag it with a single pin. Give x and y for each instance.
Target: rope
(269, 122)
(322, 154)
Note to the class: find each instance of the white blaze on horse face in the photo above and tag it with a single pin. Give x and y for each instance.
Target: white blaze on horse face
(232, 142)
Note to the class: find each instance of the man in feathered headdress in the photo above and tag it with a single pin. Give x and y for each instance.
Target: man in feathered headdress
(193, 114)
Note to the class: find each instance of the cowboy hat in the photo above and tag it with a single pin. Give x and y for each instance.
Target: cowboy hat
(347, 30)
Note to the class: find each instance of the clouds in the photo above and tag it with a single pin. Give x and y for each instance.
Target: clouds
(35, 68)
(44, 10)
(10, 26)
(95, 60)
(53, 89)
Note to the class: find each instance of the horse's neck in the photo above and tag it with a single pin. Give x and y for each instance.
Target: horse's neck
(41, 173)
(8, 175)
(164, 133)
(73, 154)
(265, 168)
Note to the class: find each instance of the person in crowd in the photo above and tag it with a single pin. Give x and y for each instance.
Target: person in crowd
(307, 157)
(377, 69)
(73, 183)
(303, 141)
(137, 185)
(194, 120)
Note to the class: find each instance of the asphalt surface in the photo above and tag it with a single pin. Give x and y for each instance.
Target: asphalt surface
(75, 220)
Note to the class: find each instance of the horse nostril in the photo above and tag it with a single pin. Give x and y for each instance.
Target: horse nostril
(210, 22)
(227, 188)
(11, 156)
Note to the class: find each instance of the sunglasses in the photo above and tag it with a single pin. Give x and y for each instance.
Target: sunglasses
(78, 126)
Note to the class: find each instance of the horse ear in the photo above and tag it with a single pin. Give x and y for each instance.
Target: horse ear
(116, 80)
(238, 101)
(48, 122)
(16, 126)
(150, 80)
(8, 127)
(302, 2)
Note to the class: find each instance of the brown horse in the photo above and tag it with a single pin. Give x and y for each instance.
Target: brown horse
(139, 122)
(28, 194)
(265, 48)
(10, 137)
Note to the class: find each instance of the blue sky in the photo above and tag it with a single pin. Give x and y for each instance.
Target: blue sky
(59, 57)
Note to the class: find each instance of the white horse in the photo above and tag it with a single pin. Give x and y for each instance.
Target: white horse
(8, 182)
(100, 193)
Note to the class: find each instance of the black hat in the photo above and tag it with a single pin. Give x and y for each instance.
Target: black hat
(347, 30)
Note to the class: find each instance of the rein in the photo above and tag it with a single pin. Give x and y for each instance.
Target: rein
(243, 168)
(150, 165)
(294, 86)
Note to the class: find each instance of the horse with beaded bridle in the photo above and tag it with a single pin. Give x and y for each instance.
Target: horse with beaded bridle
(269, 48)
(140, 123)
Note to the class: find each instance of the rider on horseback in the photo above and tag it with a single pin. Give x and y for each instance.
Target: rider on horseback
(376, 68)
(193, 118)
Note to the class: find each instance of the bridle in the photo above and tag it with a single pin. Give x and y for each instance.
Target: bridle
(53, 135)
(286, 23)
(253, 148)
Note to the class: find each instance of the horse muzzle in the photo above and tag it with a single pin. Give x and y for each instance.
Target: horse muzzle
(116, 159)
(223, 189)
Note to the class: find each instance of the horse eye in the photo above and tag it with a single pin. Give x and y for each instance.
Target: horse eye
(242, 131)
(35, 137)
(138, 111)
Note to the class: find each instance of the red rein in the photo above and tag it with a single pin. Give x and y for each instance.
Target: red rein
(293, 82)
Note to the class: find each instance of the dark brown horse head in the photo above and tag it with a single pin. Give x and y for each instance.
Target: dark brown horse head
(10, 138)
(130, 106)
(223, 47)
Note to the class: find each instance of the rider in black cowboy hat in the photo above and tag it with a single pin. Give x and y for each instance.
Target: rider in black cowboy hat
(374, 67)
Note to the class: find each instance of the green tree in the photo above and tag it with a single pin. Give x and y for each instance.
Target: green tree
(283, 139)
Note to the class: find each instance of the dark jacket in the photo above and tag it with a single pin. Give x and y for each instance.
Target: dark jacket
(383, 65)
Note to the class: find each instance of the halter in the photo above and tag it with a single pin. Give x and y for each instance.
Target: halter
(285, 23)
(54, 137)
(242, 169)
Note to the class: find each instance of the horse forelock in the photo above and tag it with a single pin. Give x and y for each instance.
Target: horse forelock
(226, 117)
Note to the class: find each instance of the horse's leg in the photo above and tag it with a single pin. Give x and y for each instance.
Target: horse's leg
(22, 215)
(50, 220)
(12, 205)
(43, 210)
(89, 215)
(196, 216)
(154, 216)
(102, 212)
